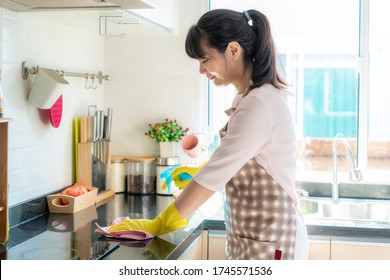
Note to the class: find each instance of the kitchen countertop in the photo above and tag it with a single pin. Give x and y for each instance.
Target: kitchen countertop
(67, 236)
(73, 236)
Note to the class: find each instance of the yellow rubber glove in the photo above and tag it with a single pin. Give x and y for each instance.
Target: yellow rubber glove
(168, 220)
(183, 175)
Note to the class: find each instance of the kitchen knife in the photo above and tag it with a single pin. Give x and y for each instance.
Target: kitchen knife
(101, 123)
(92, 117)
(108, 124)
(101, 151)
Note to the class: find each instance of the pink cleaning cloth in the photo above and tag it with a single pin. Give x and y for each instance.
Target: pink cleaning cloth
(123, 234)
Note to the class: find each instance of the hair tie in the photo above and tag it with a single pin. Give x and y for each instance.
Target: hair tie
(248, 18)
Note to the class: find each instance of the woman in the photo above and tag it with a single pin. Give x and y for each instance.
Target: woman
(255, 161)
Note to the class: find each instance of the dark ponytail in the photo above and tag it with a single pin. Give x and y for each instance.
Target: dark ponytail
(264, 63)
(217, 28)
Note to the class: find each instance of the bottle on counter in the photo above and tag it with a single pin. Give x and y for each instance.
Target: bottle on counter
(163, 164)
(118, 173)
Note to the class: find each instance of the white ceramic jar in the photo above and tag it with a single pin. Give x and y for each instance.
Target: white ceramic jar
(118, 174)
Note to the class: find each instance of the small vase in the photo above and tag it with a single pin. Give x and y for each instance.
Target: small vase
(167, 149)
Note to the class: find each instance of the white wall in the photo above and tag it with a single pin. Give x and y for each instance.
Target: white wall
(150, 78)
(153, 78)
(40, 156)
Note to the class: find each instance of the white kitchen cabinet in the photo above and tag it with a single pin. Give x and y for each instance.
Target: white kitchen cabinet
(197, 250)
(41, 5)
(211, 244)
(327, 249)
(319, 249)
(216, 245)
(348, 250)
(164, 13)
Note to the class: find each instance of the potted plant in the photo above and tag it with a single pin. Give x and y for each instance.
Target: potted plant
(166, 133)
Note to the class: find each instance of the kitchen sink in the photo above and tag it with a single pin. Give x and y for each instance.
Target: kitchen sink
(308, 206)
(358, 210)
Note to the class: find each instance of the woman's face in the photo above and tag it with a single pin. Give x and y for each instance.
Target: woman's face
(221, 68)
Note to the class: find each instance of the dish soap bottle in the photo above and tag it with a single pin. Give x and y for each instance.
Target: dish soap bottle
(1, 99)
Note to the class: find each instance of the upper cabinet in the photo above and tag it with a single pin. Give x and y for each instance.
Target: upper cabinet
(40, 5)
(164, 13)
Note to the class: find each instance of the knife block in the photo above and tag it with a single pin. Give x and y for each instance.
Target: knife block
(86, 170)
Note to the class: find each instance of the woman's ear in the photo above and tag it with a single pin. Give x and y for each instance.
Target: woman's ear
(233, 50)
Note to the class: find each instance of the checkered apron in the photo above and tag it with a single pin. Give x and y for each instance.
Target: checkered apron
(260, 215)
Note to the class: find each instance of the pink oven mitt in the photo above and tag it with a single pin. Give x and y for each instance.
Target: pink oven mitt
(123, 234)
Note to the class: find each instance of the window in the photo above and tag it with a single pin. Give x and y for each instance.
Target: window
(378, 130)
(333, 54)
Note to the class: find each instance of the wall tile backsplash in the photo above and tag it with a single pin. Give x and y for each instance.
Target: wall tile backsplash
(40, 156)
(150, 78)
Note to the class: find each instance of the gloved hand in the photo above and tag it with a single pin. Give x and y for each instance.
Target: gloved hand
(168, 220)
(180, 175)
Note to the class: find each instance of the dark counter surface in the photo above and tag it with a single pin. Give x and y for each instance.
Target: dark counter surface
(73, 236)
(67, 236)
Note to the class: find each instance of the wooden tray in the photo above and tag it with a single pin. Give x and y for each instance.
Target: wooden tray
(75, 203)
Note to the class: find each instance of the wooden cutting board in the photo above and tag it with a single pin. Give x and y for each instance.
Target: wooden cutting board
(84, 129)
(84, 158)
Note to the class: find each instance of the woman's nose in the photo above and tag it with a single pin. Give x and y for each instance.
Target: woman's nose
(202, 69)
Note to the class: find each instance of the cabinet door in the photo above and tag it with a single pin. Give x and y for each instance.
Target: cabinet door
(343, 250)
(164, 13)
(217, 245)
(197, 250)
(319, 249)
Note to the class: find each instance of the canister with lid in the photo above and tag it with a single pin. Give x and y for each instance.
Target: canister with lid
(162, 164)
(141, 175)
(118, 174)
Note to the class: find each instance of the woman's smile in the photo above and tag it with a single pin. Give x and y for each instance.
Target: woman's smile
(211, 77)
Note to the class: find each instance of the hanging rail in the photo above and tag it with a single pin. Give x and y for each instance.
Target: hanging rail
(34, 70)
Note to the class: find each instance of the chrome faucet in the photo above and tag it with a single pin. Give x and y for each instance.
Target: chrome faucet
(354, 173)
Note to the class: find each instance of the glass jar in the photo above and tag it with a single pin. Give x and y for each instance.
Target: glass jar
(141, 175)
(118, 174)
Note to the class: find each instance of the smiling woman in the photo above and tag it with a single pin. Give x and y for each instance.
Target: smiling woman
(332, 92)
